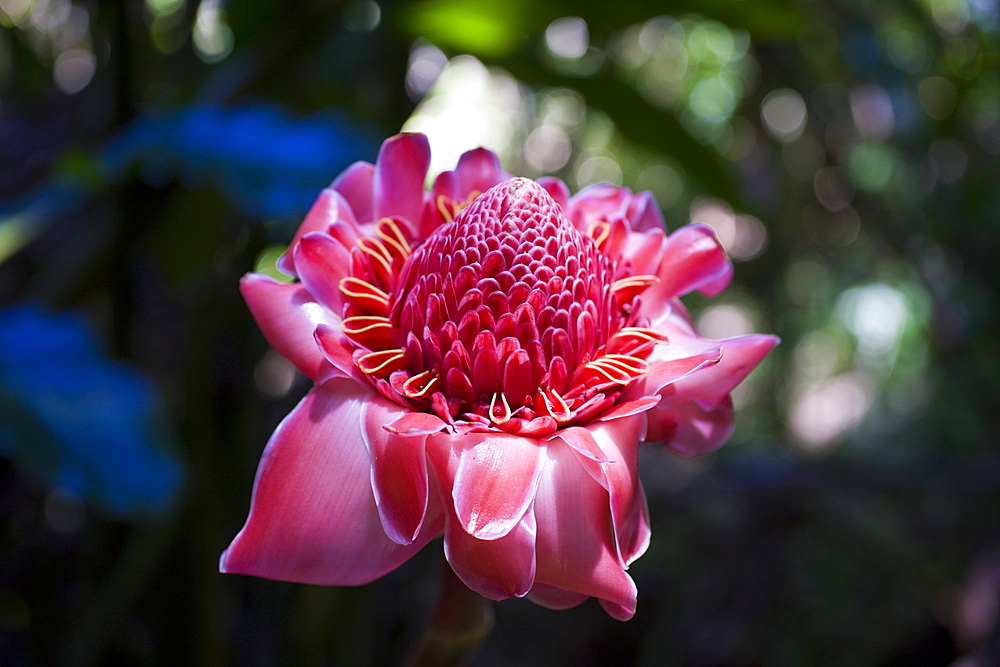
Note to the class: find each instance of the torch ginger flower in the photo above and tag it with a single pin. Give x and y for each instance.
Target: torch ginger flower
(487, 357)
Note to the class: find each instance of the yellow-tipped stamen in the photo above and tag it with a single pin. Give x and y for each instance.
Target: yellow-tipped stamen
(387, 230)
(643, 334)
(468, 200)
(449, 208)
(360, 325)
(637, 283)
(419, 386)
(625, 362)
(364, 292)
(618, 368)
(599, 231)
(443, 208)
(382, 362)
(613, 374)
(629, 339)
(504, 414)
(556, 405)
(377, 251)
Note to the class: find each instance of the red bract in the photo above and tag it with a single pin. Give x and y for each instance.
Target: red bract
(487, 357)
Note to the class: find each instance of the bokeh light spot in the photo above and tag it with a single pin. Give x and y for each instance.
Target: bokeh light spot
(937, 96)
(821, 411)
(872, 111)
(468, 106)
(426, 64)
(725, 320)
(568, 37)
(834, 188)
(547, 148)
(743, 236)
(876, 315)
(74, 69)
(599, 169)
(784, 114)
(362, 16)
(212, 37)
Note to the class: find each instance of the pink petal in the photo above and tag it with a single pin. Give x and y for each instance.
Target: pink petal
(478, 170)
(398, 183)
(582, 441)
(739, 356)
(557, 189)
(321, 262)
(718, 284)
(287, 315)
(693, 259)
(337, 350)
(554, 598)
(415, 423)
(575, 547)
(498, 569)
(494, 481)
(601, 201)
(355, 184)
(619, 474)
(619, 612)
(689, 429)
(645, 251)
(328, 209)
(666, 371)
(313, 517)
(630, 408)
(398, 474)
(644, 214)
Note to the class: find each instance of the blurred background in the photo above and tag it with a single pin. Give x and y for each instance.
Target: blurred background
(847, 152)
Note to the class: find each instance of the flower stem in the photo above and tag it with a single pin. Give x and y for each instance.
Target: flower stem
(461, 622)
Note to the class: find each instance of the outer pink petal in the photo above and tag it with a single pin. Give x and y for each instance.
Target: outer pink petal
(355, 184)
(399, 471)
(601, 201)
(739, 356)
(645, 251)
(575, 547)
(629, 408)
(337, 351)
(321, 262)
(693, 259)
(619, 475)
(287, 315)
(629, 509)
(398, 183)
(555, 598)
(583, 443)
(619, 612)
(718, 284)
(498, 569)
(557, 189)
(663, 372)
(689, 429)
(328, 209)
(478, 170)
(495, 481)
(644, 214)
(415, 423)
(313, 517)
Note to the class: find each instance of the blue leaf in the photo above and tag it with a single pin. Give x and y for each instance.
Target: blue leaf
(78, 420)
(266, 163)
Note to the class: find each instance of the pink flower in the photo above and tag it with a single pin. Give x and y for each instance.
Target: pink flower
(487, 357)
